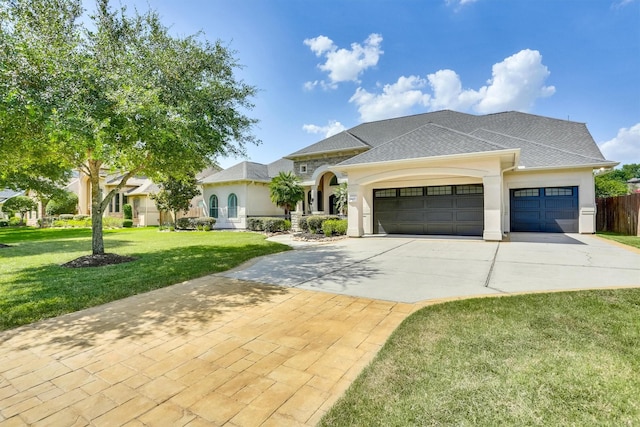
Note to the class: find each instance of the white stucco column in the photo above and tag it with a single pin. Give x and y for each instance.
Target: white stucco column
(314, 199)
(354, 214)
(492, 207)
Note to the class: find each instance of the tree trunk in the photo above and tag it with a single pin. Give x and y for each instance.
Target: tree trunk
(97, 241)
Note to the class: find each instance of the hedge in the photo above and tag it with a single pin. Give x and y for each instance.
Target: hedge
(334, 227)
(194, 223)
(268, 224)
(314, 222)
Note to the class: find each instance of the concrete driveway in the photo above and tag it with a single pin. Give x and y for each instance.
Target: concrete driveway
(416, 268)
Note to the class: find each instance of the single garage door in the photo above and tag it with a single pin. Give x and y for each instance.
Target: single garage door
(444, 210)
(546, 209)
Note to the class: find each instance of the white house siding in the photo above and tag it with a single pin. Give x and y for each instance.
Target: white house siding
(582, 178)
(253, 200)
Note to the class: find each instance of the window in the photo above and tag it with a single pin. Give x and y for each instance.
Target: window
(233, 205)
(412, 192)
(558, 192)
(334, 181)
(303, 168)
(213, 206)
(527, 192)
(115, 203)
(441, 190)
(391, 192)
(469, 189)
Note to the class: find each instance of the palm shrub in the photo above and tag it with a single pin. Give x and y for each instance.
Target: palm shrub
(342, 198)
(285, 191)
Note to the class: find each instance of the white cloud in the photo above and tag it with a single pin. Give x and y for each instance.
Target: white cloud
(395, 100)
(448, 93)
(516, 83)
(458, 3)
(625, 147)
(332, 128)
(344, 65)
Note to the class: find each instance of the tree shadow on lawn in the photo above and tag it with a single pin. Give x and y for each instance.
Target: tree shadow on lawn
(175, 309)
(61, 246)
(162, 313)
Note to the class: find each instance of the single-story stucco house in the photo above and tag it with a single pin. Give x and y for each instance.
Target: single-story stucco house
(451, 173)
(241, 191)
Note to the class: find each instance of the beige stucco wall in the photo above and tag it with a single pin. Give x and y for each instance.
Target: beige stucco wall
(427, 172)
(253, 200)
(582, 178)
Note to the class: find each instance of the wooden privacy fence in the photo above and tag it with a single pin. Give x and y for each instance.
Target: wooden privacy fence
(619, 214)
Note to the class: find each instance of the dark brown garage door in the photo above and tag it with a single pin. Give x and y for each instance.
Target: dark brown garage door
(444, 210)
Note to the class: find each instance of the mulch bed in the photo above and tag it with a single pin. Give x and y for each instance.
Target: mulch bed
(308, 237)
(98, 260)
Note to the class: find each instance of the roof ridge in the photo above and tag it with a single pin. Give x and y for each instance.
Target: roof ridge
(531, 115)
(360, 140)
(540, 144)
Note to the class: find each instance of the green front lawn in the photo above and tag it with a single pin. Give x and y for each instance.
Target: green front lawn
(555, 359)
(625, 240)
(34, 286)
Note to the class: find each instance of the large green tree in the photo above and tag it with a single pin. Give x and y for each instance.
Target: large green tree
(614, 182)
(115, 91)
(175, 195)
(285, 191)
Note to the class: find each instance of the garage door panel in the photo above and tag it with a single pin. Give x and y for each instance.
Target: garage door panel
(410, 216)
(411, 203)
(474, 216)
(550, 209)
(470, 202)
(439, 216)
(431, 210)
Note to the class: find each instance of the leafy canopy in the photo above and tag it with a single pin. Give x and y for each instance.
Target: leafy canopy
(20, 204)
(113, 92)
(285, 191)
(614, 182)
(175, 195)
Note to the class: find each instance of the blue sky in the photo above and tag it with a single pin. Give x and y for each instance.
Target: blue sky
(324, 66)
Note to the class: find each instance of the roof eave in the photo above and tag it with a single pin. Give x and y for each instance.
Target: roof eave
(327, 153)
(582, 166)
(496, 153)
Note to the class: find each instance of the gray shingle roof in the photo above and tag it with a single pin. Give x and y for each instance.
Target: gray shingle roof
(341, 141)
(6, 194)
(544, 141)
(429, 140)
(250, 171)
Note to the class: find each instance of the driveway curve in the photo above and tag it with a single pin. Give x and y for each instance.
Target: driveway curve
(411, 269)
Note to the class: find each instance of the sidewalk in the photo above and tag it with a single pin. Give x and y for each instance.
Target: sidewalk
(211, 351)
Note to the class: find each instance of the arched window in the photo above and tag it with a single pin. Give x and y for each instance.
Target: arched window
(213, 206)
(233, 206)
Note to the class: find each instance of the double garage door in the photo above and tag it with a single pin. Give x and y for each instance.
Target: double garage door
(546, 209)
(443, 210)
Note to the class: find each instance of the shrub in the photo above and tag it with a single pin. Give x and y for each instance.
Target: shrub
(4, 222)
(14, 221)
(314, 222)
(268, 224)
(205, 223)
(127, 211)
(302, 223)
(186, 223)
(66, 203)
(66, 217)
(127, 223)
(334, 226)
(81, 217)
(111, 222)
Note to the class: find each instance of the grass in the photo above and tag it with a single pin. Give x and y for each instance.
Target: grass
(544, 359)
(625, 240)
(34, 286)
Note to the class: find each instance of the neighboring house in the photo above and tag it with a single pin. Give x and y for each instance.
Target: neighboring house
(451, 173)
(137, 192)
(634, 185)
(5, 195)
(242, 191)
